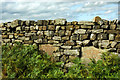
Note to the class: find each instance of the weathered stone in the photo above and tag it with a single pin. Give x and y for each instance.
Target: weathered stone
(95, 43)
(86, 42)
(83, 36)
(28, 41)
(51, 27)
(4, 28)
(40, 28)
(10, 36)
(104, 26)
(106, 22)
(105, 43)
(44, 27)
(75, 37)
(76, 47)
(57, 28)
(118, 27)
(65, 38)
(113, 31)
(68, 33)
(44, 41)
(27, 38)
(92, 36)
(71, 52)
(72, 58)
(70, 64)
(57, 44)
(8, 24)
(40, 33)
(118, 51)
(69, 27)
(4, 36)
(66, 47)
(45, 22)
(86, 26)
(40, 22)
(18, 28)
(102, 36)
(61, 32)
(34, 37)
(76, 26)
(52, 41)
(113, 44)
(85, 23)
(70, 43)
(60, 21)
(80, 31)
(32, 27)
(97, 19)
(27, 28)
(21, 38)
(2, 24)
(113, 27)
(74, 22)
(20, 34)
(57, 54)
(29, 34)
(63, 27)
(29, 22)
(18, 40)
(64, 58)
(118, 46)
(51, 22)
(38, 41)
(97, 31)
(68, 23)
(6, 40)
(117, 37)
(36, 27)
(49, 49)
(96, 26)
(56, 38)
(79, 43)
(15, 23)
(111, 36)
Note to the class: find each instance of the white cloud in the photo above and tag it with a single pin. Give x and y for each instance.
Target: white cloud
(109, 11)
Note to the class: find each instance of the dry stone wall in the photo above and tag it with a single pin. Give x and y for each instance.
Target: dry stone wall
(63, 39)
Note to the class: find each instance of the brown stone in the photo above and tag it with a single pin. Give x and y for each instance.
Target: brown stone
(97, 19)
(70, 43)
(48, 48)
(113, 31)
(117, 37)
(113, 27)
(77, 26)
(40, 27)
(44, 27)
(4, 36)
(51, 27)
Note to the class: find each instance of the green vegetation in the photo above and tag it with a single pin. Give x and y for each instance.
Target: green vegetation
(27, 62)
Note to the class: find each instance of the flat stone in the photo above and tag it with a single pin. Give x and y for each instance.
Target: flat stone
(57, 28)
(68, 33)
(61, 32)
(95, 43)
(27, 38)
(83, 36)
(6, 40)
(15, 23)
(29, 22)
(10, 36)
(60, 21)
(75, 37)
(18, 28)
(104, 26)
(86, 42)
(29, 34)
(70, 43)
(70, 64)
(97, 31)
(117, 37)
(69, 27)
(71, 52)
(51, 27)
(18, 40)
(57, 54)
(113, 31)
(28, 41)
(105, 43)
(96, 26)
(97, 19)
(76, 26)
(65, 38)
(52, 41)
(79, 43)
(85, 23)
(102, 36)
(111, 36)
(66, 47)
(86, 26)
(92, 36)
(113, 26)
(56, 38)
(113, 44)
(4, 36)
(80, 31)
(4, 28)
(40, 33)
(38, 41)
(21, 38)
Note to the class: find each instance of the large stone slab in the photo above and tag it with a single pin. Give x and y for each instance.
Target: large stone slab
(71, 52)
(60, 21)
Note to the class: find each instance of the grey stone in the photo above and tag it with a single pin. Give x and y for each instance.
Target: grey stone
(4, 28)
(21, 38)
(60, 21)
(113, 26)
(10, 36)
(102, 36)
(104, 26)
(83, 36)
(6, 40)
(68, 33)
(92, 36)
(79, 42)
(95, 43)
(70, 64)
(29, 34)
(75, 37)
(57, 54)
(29, 22)
(85, 23)
(57, 28)
(80, 31)
(96, 26)
(71, 52)
(52, 41)
(61, 32)
(105, 43)
(15, 23)
(32, 27)
(113, 44)
(38, 41)
(111, 36)
(40, 33)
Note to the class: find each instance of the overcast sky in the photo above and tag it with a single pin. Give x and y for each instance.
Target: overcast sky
(70, 10)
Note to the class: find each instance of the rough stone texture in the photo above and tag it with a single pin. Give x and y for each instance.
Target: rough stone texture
(71, 52)
(48, 48)
(105, 43)
(80, 31)
(92, 36)
(97, 31)
(60, 21)
(102, 36)
(111, 36)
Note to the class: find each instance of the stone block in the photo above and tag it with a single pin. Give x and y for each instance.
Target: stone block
(83, 36)
(86, 23)
(38, 41)
(65, 38)
(113, 44)
(56, 38)
(113, 26)
(79, 43)
(86, 26)
(97, 31)
(105, 43)
(92, 36)
(4, 36)
(75, 37)
(80, 31)
(15, 23)
(10, 36)
(70, 43)
(44, 27)
(72, 52)
(68, 33)
(51, 27)
(104, 26)
(86, 42)
(61, 32)
(69, 27)
(117, 37)
(70, 64)
(96, 26)
(21, 38)
(60, 21)
(18, 28)
(111, 36)
(40, 33)
(95, 43)
(74, 22)
(53, 42)
(6, 40)
(30, 22)
(66, 47)
(102, 36)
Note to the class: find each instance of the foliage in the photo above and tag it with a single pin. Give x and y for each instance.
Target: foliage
(21, 61)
